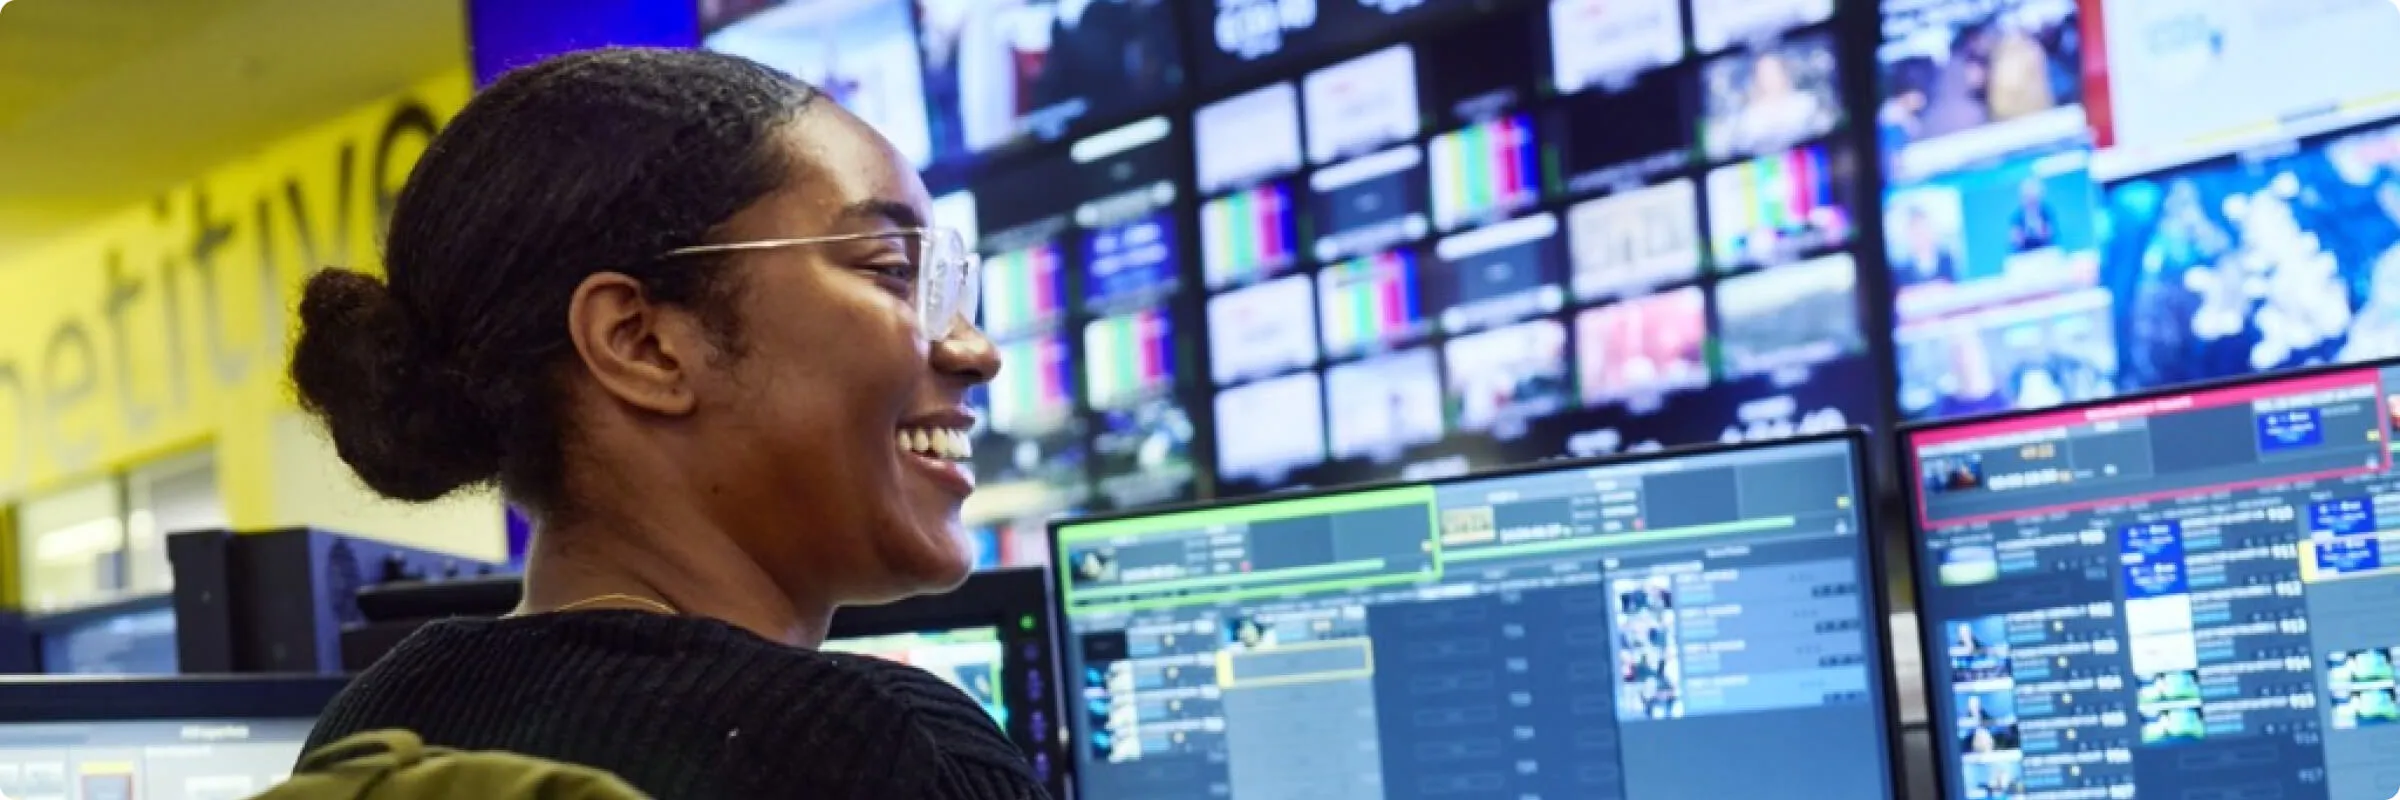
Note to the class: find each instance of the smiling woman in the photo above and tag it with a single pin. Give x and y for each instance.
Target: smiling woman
(702, 327)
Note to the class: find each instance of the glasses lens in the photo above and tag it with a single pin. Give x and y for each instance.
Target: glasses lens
(947, 291)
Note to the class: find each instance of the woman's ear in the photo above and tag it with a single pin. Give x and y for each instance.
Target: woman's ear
(638, 350)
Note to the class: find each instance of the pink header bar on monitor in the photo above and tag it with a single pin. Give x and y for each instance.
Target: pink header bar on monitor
(2146, 407)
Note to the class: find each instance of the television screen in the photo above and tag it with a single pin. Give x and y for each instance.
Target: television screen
(1142, 455)
(996, 71)
(1248, 235)
(1036, 392)
(2185, 80)
(1244, 38)
(1131, 262)
(1777, 207)
(1279, 426)
(1480, 68)
(1247, 137)
(1484, 171)
(1371, 302)
(1965, 80)
(1760, 100)
(1501, 379)
(1605, 43)
(1362, 104)
(1369, 203)
(1262, 330)
(1129, 358)
(1642, 348)
(1717, 24)
(1023, 290)
(860, 53)
(1500, 274)
(1790, 317)
(1620, 137)
(1386, 403)
(1030, 455)
(1630, 243)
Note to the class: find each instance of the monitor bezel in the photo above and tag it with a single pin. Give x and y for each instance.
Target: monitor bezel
(1904, 465)
(1858, 438)
(31, 699)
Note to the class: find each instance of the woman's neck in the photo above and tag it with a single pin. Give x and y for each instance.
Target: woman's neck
(688, 569)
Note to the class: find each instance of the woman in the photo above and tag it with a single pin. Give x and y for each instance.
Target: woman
(689, 317)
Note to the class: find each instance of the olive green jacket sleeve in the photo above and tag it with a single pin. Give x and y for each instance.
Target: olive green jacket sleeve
(395, 765)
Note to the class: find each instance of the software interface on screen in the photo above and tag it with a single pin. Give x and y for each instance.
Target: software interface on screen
(2178, 595)
(968, 658)
(151, 759)
(1631, 630)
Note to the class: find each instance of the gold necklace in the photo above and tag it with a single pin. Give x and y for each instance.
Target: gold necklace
(627, 598)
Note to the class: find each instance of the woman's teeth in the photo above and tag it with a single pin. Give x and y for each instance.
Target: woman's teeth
(943, 443)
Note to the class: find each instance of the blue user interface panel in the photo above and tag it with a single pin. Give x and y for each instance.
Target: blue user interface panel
(1686, 625)
(2176, 595)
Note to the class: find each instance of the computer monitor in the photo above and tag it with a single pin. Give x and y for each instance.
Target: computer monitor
(189, 738)
(135, 636)
(1685, 624)
(2177, 594)
(991, 638)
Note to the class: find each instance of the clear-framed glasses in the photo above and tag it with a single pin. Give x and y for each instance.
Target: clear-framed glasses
(947, 285)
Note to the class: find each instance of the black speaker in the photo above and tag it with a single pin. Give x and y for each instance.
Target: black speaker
(276, 601)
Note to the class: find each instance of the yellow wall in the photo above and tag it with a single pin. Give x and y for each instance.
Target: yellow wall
(166, 326)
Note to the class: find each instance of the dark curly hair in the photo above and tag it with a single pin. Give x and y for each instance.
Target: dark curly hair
(444, 377)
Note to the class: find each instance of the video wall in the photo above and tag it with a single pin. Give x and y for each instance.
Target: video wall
(1240, 246)
(2091, 197)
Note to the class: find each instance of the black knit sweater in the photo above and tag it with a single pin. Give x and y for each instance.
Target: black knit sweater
(685, 708)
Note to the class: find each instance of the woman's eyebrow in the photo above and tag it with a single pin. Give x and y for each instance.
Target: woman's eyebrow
(883, 211)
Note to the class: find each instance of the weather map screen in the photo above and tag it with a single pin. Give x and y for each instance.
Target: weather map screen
(1587, 629)
(2169, 595)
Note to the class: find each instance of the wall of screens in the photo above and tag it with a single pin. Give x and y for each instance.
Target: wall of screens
(2092, 197)
(1253, 245)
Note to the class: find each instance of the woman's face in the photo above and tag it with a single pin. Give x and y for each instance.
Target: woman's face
(834, 379)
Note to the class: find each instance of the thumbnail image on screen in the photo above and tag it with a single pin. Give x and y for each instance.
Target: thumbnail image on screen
(1627, 244)
(1248, 235)
(1605, 42)
(1757, 101)
(1143, 455)
(1483, 171)
(1129, 358)
(1790, 317)
(2032, 354)
(1775, 207)
(1501, 379)
(1980, 78)
(1023, 290)
(2236, 600)
(1621, 137)
(2259, 264)
(1369, 203)
(1037, 391)
(1239, 38)
(1501, 273)
(1262, 330)
(1644, 347)
(862, 54)
(998, 70)
(1247, 137)
(1385, 404)
(1131, 262)
(2182, 74)
(1677, 607)
(1371, 302)
(968, 658)
(1361, 104)
(1717, 24)
(1279, 426)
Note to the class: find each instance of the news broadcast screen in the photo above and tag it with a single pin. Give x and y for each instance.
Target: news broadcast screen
(2084, 200)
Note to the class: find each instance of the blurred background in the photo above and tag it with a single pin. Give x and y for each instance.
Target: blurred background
(1485, 232)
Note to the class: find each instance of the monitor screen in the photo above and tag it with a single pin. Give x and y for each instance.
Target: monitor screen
(1262, 330)
(968, 658)
(1501, 379)
(1359, 105)
(1142, 454)
(138, 640)
(1629, 243)
(1247, 137)
(1500, 274)
(1580, 630)
(1790, 317)
(1717, 24)
(1759, 100)
(999, 72)
(123, 738)
(1642, 348)
(1621, 136)
(1371, 302)
(861, 53)
(1387, 403)
(1607, 42)
(1775, 207)
(1246, 37)
(1269, 428)
(1130, 358)
(2167, 594)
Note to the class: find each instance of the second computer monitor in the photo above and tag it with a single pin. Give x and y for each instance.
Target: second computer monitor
(2172, 595)
(1694, 624)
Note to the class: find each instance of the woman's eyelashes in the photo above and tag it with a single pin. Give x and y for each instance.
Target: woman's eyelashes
(898, 278)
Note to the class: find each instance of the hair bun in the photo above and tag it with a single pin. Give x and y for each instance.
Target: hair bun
(385, 396)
